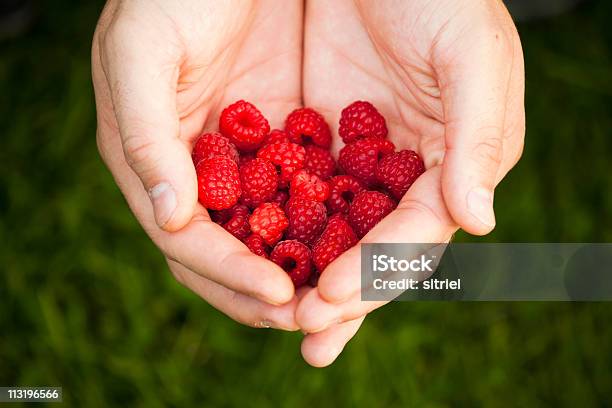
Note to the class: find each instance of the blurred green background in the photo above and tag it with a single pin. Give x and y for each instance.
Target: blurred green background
(86, 301)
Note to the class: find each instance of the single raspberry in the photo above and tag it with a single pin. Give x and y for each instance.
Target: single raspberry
(336, 239)
(276, 136)
(343, 190)
(218, 182)
(359, 120)
(213, 144)
(306, 125)
(360, 158)
(244, 125)
(280, 198)
(295, 258)
(308, 186)
(367, 209)
(256, 245)
(259, 182)
(269, 221)
(319, 161)
(306, 219)
(235, 220)
(287, 157)
(397, 171)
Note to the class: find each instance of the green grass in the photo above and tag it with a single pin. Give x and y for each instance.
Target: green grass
(86, 301)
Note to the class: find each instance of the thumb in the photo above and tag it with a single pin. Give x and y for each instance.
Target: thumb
(143, 89)
(474, 89)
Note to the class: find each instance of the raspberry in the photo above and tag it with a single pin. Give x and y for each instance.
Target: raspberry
(343, 190)
(244, 125)
(306, 219)
(276, 136)
(295, 258)
(399, 170)
(289, 157)
(213, 144)
(308, 186)
(319, 161)
(235, 220)
(280, 197)
(256, 245)
(269, 221)
(359, 120)
(259, 182)
(360, 158)
(218, 182)
(367, 209)
(336, 239)
(245, 157)
(306, 125)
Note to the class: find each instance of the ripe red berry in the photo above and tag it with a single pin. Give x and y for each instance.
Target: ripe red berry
(244, 125)
(306, 219)
(218, 182)
(295, 258)
(259, 182)
(235, 220)
(308, 186)
(269, 221)
(257, 245)
(319, 161)
(343, 190)
(287, 157)
(359, 120)
(367, 209)
(360, 158)
(305, 125)
(276, 136)
(397, 171)
(209, 145)
(336, 239)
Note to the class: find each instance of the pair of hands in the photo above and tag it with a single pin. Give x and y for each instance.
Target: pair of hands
(446, 74)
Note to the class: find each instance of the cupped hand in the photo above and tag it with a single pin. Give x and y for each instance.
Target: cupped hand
(162, 72)
(448, 77)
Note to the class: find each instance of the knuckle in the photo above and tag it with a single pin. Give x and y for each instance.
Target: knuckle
(488, 151)
(139, 151)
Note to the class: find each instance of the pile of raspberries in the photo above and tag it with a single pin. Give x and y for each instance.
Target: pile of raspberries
(283, 194)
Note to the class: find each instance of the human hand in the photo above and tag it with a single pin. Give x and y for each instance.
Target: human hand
(162, 71)
(448, 77)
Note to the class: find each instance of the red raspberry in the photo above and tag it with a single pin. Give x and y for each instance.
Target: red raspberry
(295, 258)
(213, 144)
(306, 125)
(308, 186)
(218, 182)
(336, 239)
(259, 182)
(235, 220)
(244, 125)
(367, 209)
(319, 161)
(306, 219)
(289, 157)
(360, 158)
(256, 245)
(280, 197)
(399, 170)
(269, 221)
(276, 136)
(359, 120)
(343, 190)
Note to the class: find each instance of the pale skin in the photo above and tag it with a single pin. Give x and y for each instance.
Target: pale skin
(447, 75)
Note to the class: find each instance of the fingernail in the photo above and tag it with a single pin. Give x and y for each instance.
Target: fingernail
(264, 324)
(163, 198)
(480, 205)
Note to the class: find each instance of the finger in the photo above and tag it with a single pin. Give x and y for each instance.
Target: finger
(474, 91)
(421, 217)
(322, 349)
(242, 308)
(142, 82)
